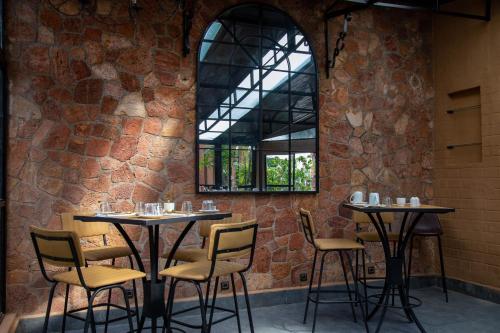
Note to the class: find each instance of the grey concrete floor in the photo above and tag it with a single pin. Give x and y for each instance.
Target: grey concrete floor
(462, 314)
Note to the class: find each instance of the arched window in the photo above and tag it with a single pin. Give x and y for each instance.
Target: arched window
(257, 104)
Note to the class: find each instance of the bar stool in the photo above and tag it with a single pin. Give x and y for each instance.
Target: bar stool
(99, 253)
(429, 226)
(62, 249)
(227, 241)
(326, 245)
(192, 254)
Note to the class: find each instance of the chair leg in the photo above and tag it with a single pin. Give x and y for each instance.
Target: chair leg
(129, 312)
(443, 273)
(356, 290)
(408, 277)
(247, 301)
(202, 308)
(65, 312)
(347, 284)
(356, 275)
(170, 304)
(207, 293)
(236, 310)
(49, 306)
(134, 286)
(89, 319)
(318, 290)
(108, 304)
(310, 285)
(214, 297)
(365, 285)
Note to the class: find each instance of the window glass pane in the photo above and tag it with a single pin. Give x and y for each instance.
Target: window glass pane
(257, 103)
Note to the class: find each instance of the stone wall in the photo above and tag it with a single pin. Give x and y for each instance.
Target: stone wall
(104, 109)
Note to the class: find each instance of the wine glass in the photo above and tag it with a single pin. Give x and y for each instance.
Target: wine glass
(187, 207)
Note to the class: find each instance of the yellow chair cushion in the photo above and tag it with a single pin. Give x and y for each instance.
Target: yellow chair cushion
(368, 236)
(199, 271)
(99, 276)
(327, 244)
(106, 252)
(188, 254)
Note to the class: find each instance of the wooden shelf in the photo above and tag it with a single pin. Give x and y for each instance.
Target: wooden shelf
(466, 108)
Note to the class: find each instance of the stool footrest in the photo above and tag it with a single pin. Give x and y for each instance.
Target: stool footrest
(72, 313)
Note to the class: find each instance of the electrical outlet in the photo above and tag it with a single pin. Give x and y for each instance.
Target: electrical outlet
(371, 270)
(303, 277)
(130, 293)
(224, 285)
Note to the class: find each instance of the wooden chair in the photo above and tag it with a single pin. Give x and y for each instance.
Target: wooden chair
(62, 249)
(99, 253)
(227, 242)
(325, 246)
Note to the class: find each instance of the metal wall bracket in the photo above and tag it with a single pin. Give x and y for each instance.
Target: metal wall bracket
(350, 6)
(187, 23)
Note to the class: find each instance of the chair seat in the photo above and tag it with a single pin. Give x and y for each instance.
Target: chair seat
(329, 244)
(189, 254)
(106, 252)
(200, 271)
(368, 236)
(99, 276)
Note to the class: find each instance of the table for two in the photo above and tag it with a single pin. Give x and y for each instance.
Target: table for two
(395, 261)
(154, 287)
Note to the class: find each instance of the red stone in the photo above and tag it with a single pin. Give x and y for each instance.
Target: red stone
(95, 53)
(178, 171)
(341, 171)
(156, 109)
(61, 95)
(90, 168)
(262, 261)
(152, 126)
(123, 174)
(73, 194)
(265, 216)
(129, 82)
(148, 95)
(280, 270)
(77, 145)
(51, 19)
(124, 148)
(100, 184)
(57, 138)
(155, 180)
(60, 66)
(80, 69)
(92, 34)
(339, 150)
(122, 191)
(70, 160)
(37, 59)
(156, 164)
(286, 222)
(166, 61)
(135, 61)
(296, 242)
(98, 147)
(132, 126)
(82, 129)
(144, 194)
(88, 91)
(108, 105)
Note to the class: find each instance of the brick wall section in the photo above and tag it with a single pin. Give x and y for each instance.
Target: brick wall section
(472, 234)
(106, 112)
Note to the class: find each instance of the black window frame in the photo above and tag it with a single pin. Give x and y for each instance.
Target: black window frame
(260, 173)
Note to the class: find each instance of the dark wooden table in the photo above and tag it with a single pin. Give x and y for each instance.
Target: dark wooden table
(394, 262)
(154, 287)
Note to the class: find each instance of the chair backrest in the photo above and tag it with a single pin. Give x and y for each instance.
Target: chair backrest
(308, 226)
(57, 247)
(429, 225)
(232, 240)
(83, 229)
(205, 226)
(362, 218)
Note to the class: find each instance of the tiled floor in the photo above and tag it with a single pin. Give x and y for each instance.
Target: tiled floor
(462, 314)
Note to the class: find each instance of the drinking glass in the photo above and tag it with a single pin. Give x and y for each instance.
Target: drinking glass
(207, 205)
(105, 207)
(187, 207)
(388, 201)
(150, 209)
(139, 207)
